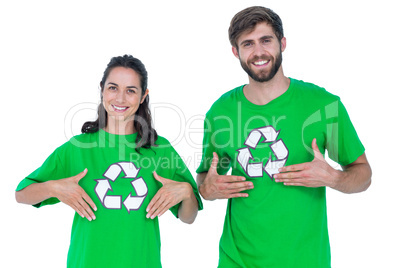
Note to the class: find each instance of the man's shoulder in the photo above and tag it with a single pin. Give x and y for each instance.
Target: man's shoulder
(313, 91)
(226, 100)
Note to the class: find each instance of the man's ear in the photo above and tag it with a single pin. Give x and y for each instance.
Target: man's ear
(235, 52)
(283, 44)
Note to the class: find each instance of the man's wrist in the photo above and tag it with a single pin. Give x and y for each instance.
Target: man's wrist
(338, 177)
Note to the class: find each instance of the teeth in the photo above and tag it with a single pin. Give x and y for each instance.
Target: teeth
(119, 108)
(261, 62)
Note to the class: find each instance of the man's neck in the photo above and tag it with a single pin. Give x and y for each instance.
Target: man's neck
(263, 93)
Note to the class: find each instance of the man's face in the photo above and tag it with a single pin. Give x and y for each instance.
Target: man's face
(260, 52)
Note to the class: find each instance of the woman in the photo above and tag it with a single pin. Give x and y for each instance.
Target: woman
(119, 175)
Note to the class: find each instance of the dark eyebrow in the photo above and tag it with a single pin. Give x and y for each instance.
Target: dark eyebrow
(246, 41)
(266, 37)
(114, 84)
(261, 38)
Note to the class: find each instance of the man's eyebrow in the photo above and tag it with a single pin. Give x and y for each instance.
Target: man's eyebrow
(261, 38)
(246, 41)
(266, 37)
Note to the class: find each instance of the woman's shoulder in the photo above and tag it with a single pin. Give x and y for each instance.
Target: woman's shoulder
(82, 141)
(162, 141)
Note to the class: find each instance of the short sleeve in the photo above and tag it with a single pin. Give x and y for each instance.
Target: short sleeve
(209, 147)
(343, 143)
(173, 167)
(51, 169)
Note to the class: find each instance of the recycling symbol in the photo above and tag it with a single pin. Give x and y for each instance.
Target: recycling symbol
(278, 147)
(131, 202)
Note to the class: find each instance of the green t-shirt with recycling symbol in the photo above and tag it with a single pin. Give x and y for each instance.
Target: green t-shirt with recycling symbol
(121, 183)
(277, 226)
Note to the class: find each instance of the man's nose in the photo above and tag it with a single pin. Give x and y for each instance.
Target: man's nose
(259, 49)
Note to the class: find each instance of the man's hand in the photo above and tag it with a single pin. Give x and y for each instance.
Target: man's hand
(69, 192)
(214, 186)
(316, 173)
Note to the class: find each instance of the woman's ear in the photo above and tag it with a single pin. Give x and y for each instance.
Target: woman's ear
(145, 95)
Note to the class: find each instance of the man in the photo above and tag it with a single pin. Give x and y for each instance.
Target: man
(273, 132)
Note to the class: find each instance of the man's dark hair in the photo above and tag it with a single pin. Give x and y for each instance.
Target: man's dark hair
(247, 19)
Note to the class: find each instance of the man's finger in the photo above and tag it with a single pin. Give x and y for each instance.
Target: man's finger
(240, 186)
(214, 164)
(230, 178)
(317, 152)
(292, 168)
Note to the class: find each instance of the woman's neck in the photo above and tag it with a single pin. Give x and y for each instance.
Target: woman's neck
(118, 127)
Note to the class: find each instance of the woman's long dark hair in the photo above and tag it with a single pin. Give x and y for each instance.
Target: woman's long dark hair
(143, 121)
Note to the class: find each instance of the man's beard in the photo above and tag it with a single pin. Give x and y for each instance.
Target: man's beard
(263, 76)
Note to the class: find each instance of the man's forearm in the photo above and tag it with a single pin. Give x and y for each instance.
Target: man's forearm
(354, 178)
(200, 180)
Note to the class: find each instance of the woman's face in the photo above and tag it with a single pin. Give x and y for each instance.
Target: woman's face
(122, 94)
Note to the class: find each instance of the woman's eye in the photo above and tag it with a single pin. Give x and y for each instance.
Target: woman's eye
(131, 91)
(112, 88)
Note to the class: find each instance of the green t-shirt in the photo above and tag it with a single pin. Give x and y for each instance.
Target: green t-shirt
(121, 183)
(277, 226)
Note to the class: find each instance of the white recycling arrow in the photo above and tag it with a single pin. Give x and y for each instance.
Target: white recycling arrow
(278, 148)
(244, 157)
(112, 201)
(129, 169)
(268, 132)
(113, 172)
(115, 201)
(135, 202)
(101, 188)
(272, 167)
(254, 169)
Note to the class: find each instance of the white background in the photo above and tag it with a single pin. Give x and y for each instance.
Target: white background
(52, 57)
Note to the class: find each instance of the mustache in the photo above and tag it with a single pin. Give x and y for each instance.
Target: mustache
(259, 58)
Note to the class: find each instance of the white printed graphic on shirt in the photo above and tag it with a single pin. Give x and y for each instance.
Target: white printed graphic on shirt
(278, 148)
(132, 202)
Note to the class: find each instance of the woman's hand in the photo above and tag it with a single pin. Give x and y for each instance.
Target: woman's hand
(69, 192)
(171, 193)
